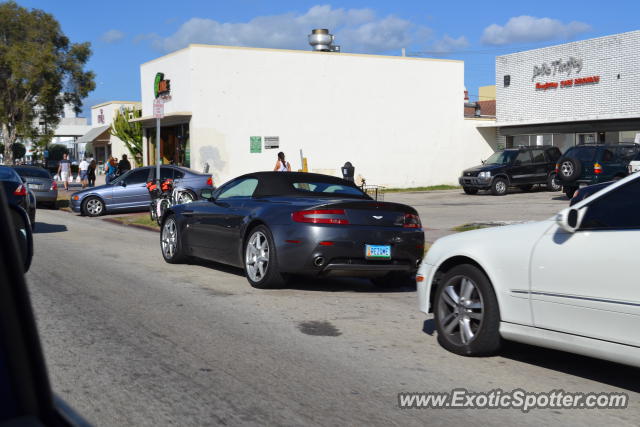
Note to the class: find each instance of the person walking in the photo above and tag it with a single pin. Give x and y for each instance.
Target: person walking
(124, 165)
(281, 164)
(91, 173)
(110, 170)
(64, 170)
(83, 170)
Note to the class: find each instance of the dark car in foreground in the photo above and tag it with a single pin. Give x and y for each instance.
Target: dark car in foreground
(41, 183)
(129, 190)
(514, 167)
(17, 192)
(276, 224)
(584, 165)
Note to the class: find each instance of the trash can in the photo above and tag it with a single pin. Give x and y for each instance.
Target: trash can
(347, 171)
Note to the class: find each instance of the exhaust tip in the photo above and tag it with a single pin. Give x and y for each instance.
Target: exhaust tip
(318, 261)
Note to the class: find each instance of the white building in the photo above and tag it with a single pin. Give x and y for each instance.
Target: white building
(575, 93)
(399, 120)
(99, 140)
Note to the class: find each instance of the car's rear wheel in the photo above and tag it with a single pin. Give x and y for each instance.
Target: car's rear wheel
(470, 190)
(93, 206)
(171, 242)
(552, 183)
(466, 312)
(260, 259)
(499, 187)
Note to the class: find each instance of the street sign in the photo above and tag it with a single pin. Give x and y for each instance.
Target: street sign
(158, 109)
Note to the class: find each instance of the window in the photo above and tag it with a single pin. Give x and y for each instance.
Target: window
(607, 155)
(241, 188)
(617, 210)
(626, 153)
(554, 154)
(502, 157)
(524, 157)
(538, 156)
(137, 176)
(506, 81)
(33, 172)
(327, 188)
(584, 154)
(8, 174)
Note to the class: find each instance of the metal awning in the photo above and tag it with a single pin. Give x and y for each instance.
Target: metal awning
(92, 135)
(168, 120)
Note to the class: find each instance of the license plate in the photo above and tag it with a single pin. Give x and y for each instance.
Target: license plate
(377, 251)
(36, 186)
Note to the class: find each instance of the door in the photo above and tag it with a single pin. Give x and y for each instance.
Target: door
(215, 226)
(522, 169)
(130, 190)
(586, 283)
(540, 167)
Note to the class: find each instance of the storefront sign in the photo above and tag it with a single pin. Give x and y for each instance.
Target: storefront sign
(255, 144)
(568, 83)
(101, 117)
(271, 142)
(161, 86)
(557, 67)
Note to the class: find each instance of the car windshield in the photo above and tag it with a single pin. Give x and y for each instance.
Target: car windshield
(33, 172)
(327, 188)
(501, 157)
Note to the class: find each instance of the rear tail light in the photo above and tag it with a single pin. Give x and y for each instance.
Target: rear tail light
(557, 167)
(597, 168)
(321, 216)
(54, 185)
(411, 221)
(210, 182)
(20, 191)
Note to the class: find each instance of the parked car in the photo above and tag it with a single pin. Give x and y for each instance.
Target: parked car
(517, 167)
(39, 181)
(17, 193)
(584, 192)
(568, 283)
(634, 165)
(584, 165)
(129, 190)
(275, 225)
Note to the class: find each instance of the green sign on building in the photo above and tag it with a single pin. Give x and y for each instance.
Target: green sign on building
(255, 144)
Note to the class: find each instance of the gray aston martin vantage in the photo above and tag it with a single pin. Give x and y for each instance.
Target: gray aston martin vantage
(278, 224)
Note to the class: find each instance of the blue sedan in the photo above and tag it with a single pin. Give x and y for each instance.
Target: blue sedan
(129, 191)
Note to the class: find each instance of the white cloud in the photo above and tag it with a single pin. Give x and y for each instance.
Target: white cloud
(356, 30)
(112, 36)
(449, 44)
(528, 29)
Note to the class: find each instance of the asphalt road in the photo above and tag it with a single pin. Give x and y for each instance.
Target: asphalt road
(131, 340)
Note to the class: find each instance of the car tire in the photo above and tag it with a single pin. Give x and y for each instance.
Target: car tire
(171, 241)
(569, 169)
(569, 191)
(261, 260)
(394, 280)
(552, 183)
(470, 190)
(525, 188)
(499, 187)
(466, 312)
(92, 206)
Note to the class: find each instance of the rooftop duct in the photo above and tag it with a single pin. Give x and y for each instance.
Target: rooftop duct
(321, 41)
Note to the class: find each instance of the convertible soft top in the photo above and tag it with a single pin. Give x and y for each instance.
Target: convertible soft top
(281, 184)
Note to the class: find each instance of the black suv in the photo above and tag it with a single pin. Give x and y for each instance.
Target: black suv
(594, 163)
(519, 167)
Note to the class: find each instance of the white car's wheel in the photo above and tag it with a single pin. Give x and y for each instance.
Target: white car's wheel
(466, 312)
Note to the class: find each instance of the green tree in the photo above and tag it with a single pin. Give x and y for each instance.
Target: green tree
(40, 72)
(129, 132)
(18, 150)
(56, 151)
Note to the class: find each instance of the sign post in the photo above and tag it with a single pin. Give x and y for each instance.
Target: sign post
(158, 113)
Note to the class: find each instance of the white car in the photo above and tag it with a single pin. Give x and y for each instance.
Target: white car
(634, 165)
(568, 283)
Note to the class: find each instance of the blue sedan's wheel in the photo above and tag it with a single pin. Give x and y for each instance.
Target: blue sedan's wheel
(260, 259)
(93, 206)
(170, 242)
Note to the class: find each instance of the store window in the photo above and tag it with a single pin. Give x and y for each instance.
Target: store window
(563, 141)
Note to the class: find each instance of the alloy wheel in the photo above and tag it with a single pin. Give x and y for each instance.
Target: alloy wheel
(461, 310)
(257, 256)
(94, 207)
(566, 168)
(169, 238)
(501, 187)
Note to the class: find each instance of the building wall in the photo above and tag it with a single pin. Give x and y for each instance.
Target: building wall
(398, 120)
(103, 115)
(487, 93)
(613, 59)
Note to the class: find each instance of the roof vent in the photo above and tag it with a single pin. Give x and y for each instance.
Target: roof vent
(321, 41)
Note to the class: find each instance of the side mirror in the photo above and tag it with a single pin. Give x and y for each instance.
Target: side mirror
(482, 161)
(123, 183)
(569, 219)
(207, 195)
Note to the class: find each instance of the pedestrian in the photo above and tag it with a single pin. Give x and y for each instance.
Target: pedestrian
(281, 164)
(91, 173)
(124, 165)
(110, 170)
(83, 170)
(64, 170)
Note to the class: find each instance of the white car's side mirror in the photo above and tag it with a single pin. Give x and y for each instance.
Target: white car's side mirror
(569, 219)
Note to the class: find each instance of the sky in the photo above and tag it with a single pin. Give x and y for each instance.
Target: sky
(125, 34)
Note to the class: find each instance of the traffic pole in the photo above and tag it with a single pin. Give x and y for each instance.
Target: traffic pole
(158, 152)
